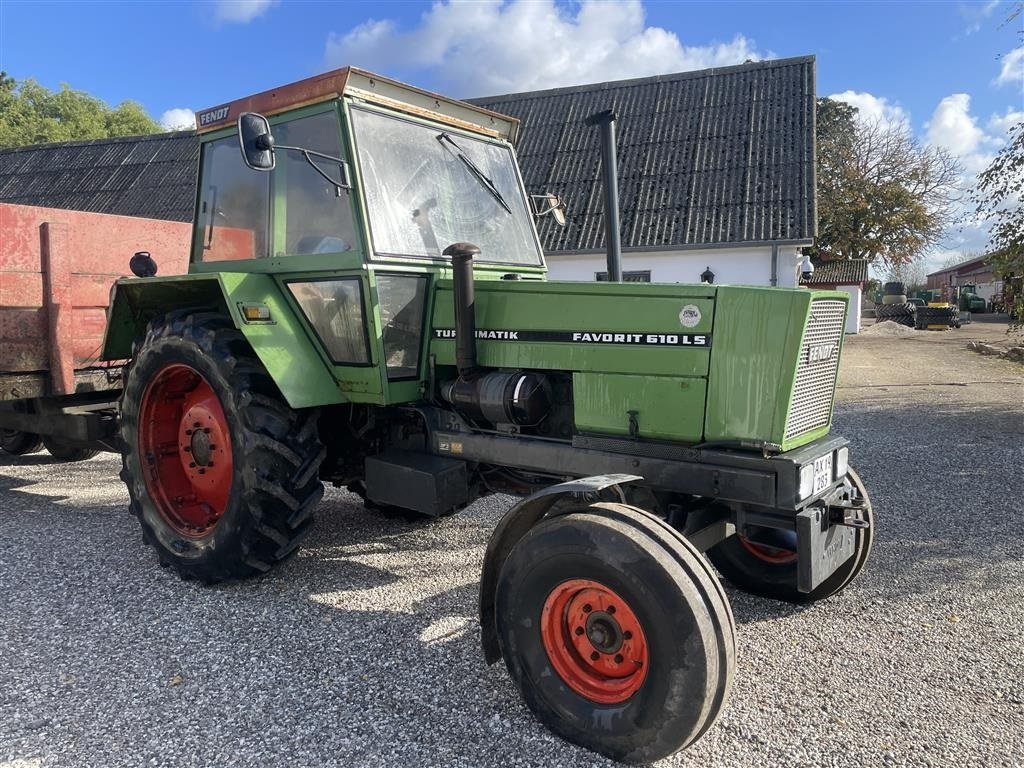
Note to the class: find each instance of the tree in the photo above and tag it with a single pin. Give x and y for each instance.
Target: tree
(33, 114)
(999, 196)
(912, 274)
(882, 195)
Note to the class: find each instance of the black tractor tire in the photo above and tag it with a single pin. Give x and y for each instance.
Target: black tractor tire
(894, 298)
(19, 443)
(772, 571)
(64, 451)
(258, 511)
(662, 586)
(894, 288)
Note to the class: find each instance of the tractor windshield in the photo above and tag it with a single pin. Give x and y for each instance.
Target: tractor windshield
(427, 188)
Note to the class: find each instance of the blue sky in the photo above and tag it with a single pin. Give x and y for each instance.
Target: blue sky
(947, 68)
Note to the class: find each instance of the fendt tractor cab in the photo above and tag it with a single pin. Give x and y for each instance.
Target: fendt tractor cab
(367, 306)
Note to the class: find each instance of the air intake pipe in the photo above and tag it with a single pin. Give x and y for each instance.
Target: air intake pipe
(462, 255)
(613, 242)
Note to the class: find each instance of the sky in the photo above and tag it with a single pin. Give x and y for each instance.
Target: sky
(953, 71)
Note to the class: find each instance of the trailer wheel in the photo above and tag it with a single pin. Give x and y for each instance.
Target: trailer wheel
(768, 567)
(19, 443)
(66, 451)
(616, 632)
(222, 474)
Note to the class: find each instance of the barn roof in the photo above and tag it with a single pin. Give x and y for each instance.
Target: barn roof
(151, 176)
(838, 272)
(716, 156)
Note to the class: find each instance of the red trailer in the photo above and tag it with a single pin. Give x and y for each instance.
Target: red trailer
(56, 271)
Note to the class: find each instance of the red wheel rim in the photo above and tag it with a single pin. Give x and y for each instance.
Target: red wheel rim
(769, 554)
(594, 641)
(185, 449)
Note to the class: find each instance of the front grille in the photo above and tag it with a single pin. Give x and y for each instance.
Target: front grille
(811, 404)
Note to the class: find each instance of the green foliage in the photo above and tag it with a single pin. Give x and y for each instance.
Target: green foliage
(1000, 200)
(33, 114)
(882, 196)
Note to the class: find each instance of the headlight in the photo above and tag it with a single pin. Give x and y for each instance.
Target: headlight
(806, 481)
(842, 461)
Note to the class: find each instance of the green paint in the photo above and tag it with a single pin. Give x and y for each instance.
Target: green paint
(737, 388)
(666, 408)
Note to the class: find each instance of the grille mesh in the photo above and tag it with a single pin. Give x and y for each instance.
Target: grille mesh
(811, 405)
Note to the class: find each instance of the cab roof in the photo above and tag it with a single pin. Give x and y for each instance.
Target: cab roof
(365, 86)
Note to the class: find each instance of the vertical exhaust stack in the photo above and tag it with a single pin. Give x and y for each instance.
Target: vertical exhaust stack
(462, 255)
(606, 121)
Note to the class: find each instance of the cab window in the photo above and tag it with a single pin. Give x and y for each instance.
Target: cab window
(315, 218)
(290, 211)
(234, 205)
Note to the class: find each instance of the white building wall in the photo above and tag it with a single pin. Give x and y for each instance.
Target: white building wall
(732, 266)
(853, 313)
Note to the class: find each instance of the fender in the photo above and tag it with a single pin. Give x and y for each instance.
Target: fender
(511, 528)
(281, 344)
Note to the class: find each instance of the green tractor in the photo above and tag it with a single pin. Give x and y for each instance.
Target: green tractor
(367, 306)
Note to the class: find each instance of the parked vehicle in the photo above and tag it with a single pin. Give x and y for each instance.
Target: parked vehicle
(366, 305)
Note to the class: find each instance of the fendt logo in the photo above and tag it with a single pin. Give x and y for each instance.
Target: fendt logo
(820, 353)
(214, 115)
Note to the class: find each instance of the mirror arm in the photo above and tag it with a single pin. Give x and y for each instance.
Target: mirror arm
(346, 182)
(536, 208)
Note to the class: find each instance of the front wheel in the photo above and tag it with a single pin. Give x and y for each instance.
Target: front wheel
(616, 632)
(768, 566)
(222, 474)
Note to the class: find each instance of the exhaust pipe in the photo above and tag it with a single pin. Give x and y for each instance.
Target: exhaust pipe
(462, 255)
(606, 120)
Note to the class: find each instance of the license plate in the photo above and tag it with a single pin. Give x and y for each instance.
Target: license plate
(822, 473)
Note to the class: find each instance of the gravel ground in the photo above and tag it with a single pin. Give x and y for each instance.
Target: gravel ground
(363, 650)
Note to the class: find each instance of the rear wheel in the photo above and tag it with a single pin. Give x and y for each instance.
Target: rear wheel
(19, 443)
(222, 474)
(67, 451)
(767, 566)
(616, 632)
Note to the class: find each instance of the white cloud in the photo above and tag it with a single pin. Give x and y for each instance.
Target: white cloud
(487, 48)
(178, 119)
(872, 109)
(952, 126)
(975, 14)
(241, 11)
(1000, 124)
(1012, 71)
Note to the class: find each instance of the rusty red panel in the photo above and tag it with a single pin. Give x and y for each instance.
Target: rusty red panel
(23, 344)
(57, 258)
(89, 325)
(19, 238)
(55, 320)
(92, 290)
(21, 289)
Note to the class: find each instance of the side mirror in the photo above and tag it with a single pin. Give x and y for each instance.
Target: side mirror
(256, 141)
(549, 203)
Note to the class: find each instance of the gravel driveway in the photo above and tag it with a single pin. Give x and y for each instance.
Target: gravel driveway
(363, 650)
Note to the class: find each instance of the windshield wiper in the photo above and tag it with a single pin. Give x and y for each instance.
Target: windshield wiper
(485, 182)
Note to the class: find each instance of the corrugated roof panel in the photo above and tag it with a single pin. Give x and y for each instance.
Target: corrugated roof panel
(151, 176)
(716, 156)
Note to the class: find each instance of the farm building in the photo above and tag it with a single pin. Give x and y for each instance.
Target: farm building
(716, 171)
(976, 271)
(847, 275)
